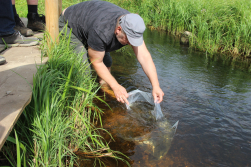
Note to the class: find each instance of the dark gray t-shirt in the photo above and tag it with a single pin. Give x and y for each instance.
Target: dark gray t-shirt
(94, 22)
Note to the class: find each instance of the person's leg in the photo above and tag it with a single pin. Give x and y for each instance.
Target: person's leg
(14, 7)
(8, 36)
(7, 22)
(19, 23)
(32, 6)
(36, 21)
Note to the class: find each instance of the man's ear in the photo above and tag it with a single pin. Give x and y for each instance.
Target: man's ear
(118, 30)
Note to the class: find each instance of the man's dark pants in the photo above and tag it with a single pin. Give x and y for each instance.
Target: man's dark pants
(7, 22)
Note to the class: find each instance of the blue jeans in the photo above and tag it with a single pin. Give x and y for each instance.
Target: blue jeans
(7, 22)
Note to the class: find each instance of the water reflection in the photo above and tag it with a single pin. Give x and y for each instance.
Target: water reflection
(208, 95)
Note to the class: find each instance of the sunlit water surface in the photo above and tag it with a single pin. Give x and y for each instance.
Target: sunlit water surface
(210, 98)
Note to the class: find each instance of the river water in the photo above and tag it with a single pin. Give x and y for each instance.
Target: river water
(210, 98)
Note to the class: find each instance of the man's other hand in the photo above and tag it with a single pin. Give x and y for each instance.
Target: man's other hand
(120, 93)
(157, 94)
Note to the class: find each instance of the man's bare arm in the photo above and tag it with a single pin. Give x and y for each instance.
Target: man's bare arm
(96, 58)
(145, 59)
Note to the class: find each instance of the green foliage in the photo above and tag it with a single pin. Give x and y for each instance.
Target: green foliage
(219, 26)
(22, 9)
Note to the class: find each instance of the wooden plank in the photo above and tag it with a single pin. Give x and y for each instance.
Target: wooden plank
(15, 91)
(16, 85)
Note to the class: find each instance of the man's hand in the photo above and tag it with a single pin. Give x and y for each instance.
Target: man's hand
(120, 93)
(157, 94)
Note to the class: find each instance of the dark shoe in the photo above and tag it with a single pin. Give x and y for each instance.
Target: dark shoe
(21, 27)
(36, 22)
(42, 17)
(2, 60)
(17, 39)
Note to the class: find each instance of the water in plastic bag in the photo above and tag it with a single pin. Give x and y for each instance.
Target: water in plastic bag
(157, 140)
(140, 96)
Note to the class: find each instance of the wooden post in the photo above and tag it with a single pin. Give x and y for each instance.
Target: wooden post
(59, 7)
(51, 13)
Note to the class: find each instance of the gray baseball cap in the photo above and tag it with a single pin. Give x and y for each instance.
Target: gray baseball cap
(134, 27)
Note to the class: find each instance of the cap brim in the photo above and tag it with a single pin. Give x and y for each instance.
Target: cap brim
(135, 41)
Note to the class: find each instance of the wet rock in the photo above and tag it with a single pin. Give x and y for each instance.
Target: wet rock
(184, 39)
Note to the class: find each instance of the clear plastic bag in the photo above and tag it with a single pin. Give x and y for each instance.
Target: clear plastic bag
(158, 140)
(138, 95)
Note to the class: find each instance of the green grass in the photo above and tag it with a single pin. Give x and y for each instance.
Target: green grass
(22, 9)
(61, 116)
(219, 26)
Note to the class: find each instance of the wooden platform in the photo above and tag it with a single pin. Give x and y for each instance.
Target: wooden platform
(16, 78)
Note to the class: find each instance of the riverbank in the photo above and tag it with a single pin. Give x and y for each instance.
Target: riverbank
(217, 26)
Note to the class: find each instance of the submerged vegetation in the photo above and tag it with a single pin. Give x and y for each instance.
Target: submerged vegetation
(60, 119)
